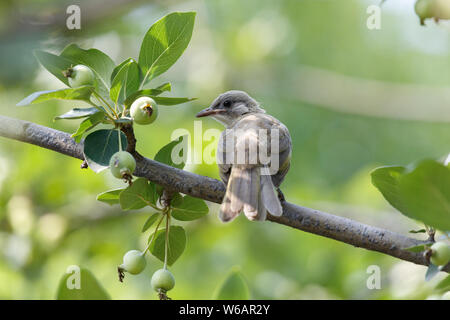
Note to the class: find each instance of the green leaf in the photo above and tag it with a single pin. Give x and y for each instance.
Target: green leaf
(177, 198)
(418, 231)
(444, 285)
(125, 83)
(177, 244)
(164, 87)
(173, 152)
(54, 64)
(88, 124)
(425, 191)
(78, 113)
(150, 221)
(81, 93)
(189, 208)
(99, 62)
(99, 147)
(146, 92)
(431, 272)
(233, 287)
(118, 67)
(386, 179)
(153, 93)
(138, 195)
(420, 247)
(170, 101)
(422, 193)
(110, 197)
(80, 284)
(165, 42)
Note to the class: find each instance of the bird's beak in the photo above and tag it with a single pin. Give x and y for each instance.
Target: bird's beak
(209, 111)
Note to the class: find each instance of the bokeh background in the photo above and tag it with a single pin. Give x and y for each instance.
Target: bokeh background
(352, 98)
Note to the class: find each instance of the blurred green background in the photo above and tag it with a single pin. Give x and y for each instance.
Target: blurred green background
(352, 98)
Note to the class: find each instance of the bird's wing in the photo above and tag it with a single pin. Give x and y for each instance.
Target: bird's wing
(224, 167)
(243, 154)
(276, 133)
(285, 150)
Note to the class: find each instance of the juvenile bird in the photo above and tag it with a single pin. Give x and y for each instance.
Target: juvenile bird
(253, 156)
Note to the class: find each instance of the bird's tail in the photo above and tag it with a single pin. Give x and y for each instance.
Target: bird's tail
(250, 191)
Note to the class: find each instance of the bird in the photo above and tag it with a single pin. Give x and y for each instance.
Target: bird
(251, 164)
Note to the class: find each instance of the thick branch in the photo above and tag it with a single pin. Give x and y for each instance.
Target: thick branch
(306, 219)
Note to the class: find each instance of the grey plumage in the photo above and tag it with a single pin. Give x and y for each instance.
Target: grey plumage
(241, 164)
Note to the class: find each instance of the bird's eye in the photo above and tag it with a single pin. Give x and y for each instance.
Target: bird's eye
(227, 103)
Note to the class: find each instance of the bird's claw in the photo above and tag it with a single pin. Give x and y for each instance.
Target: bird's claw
(281, 195)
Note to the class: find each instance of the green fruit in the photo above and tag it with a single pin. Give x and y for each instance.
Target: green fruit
(441, 9)
(163, 280)
(424, 9)
(80, 75)
(144, 110)
(134, 262)
(440, 253)
(122, 164)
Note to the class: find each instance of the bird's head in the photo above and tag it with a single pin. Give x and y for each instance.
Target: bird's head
(230, 106)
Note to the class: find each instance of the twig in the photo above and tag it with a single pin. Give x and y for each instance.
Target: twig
(131, 139)
(302, 218)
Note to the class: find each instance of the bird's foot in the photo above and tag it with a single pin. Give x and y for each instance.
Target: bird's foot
(281, 195)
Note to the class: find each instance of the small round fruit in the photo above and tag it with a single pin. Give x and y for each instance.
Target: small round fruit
(122, 164)
(424, 9)
(134, 262)
(144, 110)
(80, 75)
(441, 9)
(440, 253)
(163, 280)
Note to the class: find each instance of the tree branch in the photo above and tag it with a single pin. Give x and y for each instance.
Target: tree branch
(302, 218)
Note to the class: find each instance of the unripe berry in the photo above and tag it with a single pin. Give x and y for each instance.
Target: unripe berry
(163, 280)
(440, 253)
(134, 262)
(441, 9)
(144, 110)
(424, 10)
(122, 164)
(80, 75)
